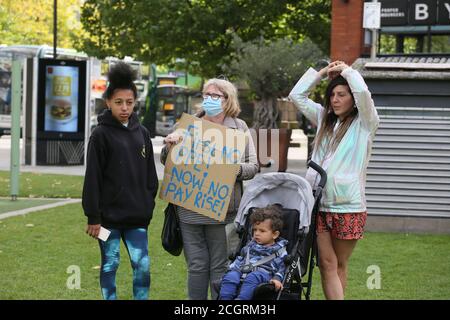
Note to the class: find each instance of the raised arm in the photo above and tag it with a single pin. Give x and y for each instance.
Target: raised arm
(363, 99)
(299, 95)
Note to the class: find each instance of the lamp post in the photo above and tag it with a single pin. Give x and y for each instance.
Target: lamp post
(374, 49)
(55, 26)
(372, 21)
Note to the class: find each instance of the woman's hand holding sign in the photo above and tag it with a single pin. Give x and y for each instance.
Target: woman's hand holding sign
(172, 139)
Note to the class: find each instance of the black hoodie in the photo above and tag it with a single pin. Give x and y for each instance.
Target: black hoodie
(121, 183)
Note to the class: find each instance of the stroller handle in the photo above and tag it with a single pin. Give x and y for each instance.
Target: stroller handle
(322, 173)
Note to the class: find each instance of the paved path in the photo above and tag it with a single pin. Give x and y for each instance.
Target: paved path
(296, 158)
(63, 202)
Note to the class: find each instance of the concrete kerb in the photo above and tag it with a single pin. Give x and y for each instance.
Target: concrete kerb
(63, 202)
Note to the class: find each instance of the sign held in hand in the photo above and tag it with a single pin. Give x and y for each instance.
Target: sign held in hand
(200, 171)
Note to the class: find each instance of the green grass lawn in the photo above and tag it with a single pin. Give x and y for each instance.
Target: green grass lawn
(34, 262)
(412, 266)
(37, 185)
(37, 249)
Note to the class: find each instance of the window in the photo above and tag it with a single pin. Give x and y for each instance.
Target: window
(414, 39)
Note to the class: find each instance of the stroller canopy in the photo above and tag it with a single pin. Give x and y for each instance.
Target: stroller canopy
(287, 189)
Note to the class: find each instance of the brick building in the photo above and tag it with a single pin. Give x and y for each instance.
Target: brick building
(347, 34)
(408, 27)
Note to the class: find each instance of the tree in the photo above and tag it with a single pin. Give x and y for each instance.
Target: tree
(30, 22)
(199, 32)
(271, 69)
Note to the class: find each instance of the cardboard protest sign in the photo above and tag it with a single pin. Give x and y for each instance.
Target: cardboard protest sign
(200, 171)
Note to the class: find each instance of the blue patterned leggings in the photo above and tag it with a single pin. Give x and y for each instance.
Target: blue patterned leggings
(136, 243)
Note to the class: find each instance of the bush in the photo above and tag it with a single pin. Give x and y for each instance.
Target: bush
(271, 69)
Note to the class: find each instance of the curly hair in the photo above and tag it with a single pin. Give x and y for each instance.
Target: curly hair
(272, 213)
(120, 76)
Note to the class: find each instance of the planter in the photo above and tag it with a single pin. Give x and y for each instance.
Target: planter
(267, 157)
(288, 114)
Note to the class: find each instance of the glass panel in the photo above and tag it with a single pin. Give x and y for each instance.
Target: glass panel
(387, 44)
(440, 44)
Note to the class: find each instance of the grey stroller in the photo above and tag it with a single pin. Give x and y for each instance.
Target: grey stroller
(299, 210)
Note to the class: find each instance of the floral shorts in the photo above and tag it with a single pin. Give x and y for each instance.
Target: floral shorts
(344, 226)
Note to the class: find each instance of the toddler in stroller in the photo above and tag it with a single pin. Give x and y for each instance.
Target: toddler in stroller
(261, 260)
(299, 207)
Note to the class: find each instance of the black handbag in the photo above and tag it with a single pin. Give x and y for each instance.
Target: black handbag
(171, 238)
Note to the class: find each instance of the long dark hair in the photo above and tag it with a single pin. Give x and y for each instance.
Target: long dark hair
(120, 76)
(330, 118)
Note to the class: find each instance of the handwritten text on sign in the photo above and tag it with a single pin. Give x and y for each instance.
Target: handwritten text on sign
(200, 171)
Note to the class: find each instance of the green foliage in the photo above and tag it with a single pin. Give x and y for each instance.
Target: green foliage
(271, 69)
(411, 44)
(200, 32)
(440, 44)
(312, 19)
(30, 22)
(5, 23)
(388, 44)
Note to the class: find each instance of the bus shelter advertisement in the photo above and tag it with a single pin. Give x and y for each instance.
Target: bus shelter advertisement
(5, 85)
(61, 98)
(200, 171)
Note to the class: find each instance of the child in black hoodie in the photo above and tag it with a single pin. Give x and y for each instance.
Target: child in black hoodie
(121, 184)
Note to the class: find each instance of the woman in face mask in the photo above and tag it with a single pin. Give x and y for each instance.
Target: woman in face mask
(207, 241)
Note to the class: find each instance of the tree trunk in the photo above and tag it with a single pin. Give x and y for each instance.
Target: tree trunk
(265, 114)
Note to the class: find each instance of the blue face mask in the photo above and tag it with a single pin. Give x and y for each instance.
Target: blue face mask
(212, 107)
